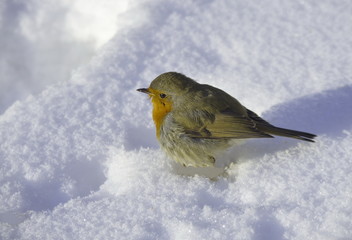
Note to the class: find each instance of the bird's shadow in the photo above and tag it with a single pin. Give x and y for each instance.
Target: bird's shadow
(327, 113)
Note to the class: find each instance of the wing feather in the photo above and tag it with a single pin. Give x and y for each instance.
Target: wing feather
(220, 116)
(228, 125)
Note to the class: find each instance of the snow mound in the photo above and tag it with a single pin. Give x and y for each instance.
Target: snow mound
(80, 160)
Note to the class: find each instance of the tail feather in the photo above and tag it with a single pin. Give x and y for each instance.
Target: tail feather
(309, 137)
(267, 128)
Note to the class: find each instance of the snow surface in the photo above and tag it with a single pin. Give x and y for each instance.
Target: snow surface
(80, 160)
(41, 42)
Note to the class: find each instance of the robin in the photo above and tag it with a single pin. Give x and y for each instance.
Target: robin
(194, 122)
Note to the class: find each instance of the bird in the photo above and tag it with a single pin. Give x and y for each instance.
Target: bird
(196, 122)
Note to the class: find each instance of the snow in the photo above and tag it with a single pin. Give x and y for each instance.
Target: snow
(42, 42)
(80, 159)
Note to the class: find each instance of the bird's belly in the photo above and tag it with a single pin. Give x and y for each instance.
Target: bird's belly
(189, 151)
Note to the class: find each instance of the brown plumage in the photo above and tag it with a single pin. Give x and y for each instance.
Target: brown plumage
(194, 122)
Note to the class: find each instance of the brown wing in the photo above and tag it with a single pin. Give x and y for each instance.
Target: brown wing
(212, 113)
(228, 124)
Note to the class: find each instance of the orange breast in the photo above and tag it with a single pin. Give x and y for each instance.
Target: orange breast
(161, 107)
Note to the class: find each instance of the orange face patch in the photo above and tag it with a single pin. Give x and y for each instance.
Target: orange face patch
(161, 107)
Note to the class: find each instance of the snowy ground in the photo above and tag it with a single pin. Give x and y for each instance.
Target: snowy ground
(80, 159)
(41, 42)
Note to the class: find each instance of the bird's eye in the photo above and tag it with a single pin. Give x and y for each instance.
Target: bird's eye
(162, 95)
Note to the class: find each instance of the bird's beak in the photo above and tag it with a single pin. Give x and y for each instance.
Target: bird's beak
(144, 90)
